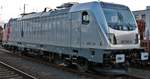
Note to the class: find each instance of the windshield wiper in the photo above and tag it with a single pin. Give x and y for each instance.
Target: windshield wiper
(131, 26)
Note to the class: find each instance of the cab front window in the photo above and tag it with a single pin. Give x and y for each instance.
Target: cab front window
(119, 19)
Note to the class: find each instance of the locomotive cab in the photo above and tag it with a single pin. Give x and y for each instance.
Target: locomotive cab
(122, 28)
(122, 32)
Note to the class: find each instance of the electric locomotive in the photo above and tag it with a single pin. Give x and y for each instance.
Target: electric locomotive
(91, 35)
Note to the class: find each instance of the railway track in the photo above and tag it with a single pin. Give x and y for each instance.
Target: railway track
(99, 76)
(9, 72)
(81, 75)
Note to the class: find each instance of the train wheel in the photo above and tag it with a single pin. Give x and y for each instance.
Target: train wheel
(82, 65)
(54, 58)
(85, 66)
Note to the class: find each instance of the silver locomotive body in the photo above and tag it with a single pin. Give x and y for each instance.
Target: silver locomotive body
(101, 33)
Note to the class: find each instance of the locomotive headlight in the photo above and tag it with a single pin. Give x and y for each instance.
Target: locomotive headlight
(112, 38)
(144, 55)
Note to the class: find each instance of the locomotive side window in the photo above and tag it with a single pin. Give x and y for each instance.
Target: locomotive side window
(85, 18)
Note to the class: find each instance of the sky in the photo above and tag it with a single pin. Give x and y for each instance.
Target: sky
(13, 8)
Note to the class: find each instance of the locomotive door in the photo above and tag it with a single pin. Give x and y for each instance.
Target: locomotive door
(75, 30)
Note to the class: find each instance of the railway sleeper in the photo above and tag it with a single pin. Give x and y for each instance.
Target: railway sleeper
(9, 76)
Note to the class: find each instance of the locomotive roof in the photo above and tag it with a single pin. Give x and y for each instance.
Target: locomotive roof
(42, 14)
(92, 5)
(113, 6)
(73, 8)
